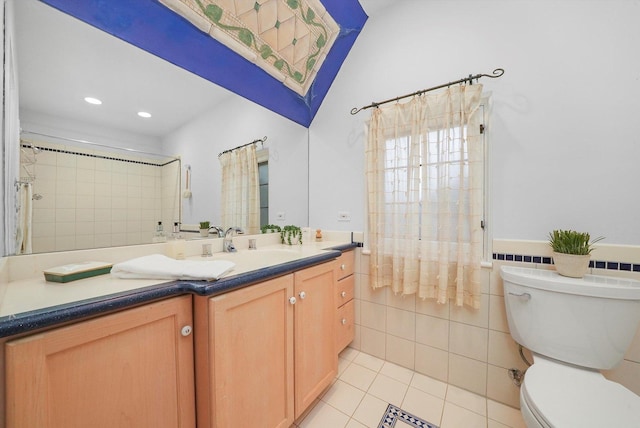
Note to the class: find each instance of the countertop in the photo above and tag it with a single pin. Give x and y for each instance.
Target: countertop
(33, 303)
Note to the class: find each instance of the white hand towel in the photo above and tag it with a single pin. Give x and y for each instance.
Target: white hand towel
(157, 266)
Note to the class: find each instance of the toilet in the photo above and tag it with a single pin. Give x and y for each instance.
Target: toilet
(574, 327)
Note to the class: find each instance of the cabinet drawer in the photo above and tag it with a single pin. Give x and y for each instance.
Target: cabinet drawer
(345, 264)
(344, 290)
(346, 326)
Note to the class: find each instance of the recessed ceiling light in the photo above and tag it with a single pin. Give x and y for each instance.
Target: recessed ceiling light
(92, 100)
(144, 114)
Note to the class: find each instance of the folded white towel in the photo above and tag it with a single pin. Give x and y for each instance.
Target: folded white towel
(157, 266)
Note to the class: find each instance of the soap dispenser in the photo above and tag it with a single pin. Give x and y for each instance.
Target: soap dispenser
(176, 243)
(159, 235)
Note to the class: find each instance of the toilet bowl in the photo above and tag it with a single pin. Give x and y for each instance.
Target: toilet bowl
(574, 328)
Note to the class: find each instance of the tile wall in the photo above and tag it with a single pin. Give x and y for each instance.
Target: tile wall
(93, 199)
(471, 349)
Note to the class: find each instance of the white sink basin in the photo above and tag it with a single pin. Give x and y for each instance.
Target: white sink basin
(248, 260)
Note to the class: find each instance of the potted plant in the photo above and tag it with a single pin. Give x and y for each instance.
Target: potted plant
(270, 228)
(204, 228)
(291, 235)
(571, 251)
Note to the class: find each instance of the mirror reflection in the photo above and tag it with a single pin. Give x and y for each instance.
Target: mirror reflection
(60, 62)
(89, 196)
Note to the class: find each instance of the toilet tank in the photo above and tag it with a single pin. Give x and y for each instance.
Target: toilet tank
(589, 322)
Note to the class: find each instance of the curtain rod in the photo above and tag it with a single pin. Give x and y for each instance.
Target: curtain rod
(495, 74)
(259, 140)
(24, 131)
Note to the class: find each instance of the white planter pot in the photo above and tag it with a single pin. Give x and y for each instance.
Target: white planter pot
(571, 265)
(204, 233)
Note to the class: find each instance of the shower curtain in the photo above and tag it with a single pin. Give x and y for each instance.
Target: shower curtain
(25, 217)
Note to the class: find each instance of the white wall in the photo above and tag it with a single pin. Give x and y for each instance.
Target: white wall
(563, 131)
(235, 123)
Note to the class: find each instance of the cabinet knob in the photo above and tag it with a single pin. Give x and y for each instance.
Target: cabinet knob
(302, 294)
(186, 330)
(343, 321)
(343, 294)
(343, 266)
(292, 300)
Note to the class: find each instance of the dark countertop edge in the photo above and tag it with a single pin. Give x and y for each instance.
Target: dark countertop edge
(34, 320)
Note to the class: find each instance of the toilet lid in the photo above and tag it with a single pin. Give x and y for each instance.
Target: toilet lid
(565, 396)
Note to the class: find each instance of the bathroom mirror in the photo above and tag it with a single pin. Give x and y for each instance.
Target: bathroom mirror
(192, 119)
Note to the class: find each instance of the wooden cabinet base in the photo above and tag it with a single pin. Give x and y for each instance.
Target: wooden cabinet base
(129, 369)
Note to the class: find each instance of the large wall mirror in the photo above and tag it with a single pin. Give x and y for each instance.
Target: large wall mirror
(60, 61)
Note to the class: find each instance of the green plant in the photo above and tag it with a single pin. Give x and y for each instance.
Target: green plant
(290, 234)
(270, 228)
(572, 242)
(204, 225)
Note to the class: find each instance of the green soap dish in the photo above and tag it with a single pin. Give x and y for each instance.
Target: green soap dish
(75, 271)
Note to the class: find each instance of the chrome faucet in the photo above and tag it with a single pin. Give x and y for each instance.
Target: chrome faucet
(227, 244)
(218, 230)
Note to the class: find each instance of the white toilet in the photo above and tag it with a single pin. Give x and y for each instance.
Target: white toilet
(574, 328)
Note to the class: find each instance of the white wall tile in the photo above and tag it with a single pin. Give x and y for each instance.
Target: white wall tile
(432, 331)
(468, 373)
(400, 351)
(432, 362)
(401, 323)
(468, 340)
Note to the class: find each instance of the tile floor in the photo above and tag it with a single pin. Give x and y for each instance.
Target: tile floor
(366, 385)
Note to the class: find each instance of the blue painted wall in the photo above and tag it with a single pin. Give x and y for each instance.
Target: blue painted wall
(156, 29)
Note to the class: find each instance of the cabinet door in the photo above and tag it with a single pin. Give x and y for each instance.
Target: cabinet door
(129, 369)
(316, 362)
(251, 345)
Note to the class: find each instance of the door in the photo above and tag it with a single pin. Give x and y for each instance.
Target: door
(130, 369)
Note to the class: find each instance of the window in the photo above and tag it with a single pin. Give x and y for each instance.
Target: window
(425, 167)
(263, 182)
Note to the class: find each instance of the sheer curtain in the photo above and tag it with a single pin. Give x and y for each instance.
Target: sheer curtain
(240, 189)
(424, 171)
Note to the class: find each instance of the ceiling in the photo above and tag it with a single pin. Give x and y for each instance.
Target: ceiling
(61, 60)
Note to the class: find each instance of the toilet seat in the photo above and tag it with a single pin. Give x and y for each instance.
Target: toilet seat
(560, 395)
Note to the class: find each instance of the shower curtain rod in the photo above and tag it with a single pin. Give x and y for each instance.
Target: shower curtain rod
(259, 140)
(24, 131)
(495, 74)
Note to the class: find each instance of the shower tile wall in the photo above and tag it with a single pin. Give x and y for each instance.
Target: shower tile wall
(91, 202)
(468, 348)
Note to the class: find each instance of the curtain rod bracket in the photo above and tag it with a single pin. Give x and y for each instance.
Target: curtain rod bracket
(494, 74)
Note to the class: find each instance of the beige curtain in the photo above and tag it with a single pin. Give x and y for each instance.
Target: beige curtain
(240, 189)
(424, 171)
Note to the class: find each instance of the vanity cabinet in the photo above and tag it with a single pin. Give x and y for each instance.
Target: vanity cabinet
(264, 353)
(344, 293)
(129, 369)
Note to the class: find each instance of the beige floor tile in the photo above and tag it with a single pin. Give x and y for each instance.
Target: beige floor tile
(494, 424)
(423, 405)
(505, 414)
(358, 376)
(323, 416)
(355, 424)
(370, 411)
(369, 361)
(399, 373)
(388, 390)
(342, 365)
(349, 353)
(466, 399)
(344, 397)
(430, 385)
(459, 417)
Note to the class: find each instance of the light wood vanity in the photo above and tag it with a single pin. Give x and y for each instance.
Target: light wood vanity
(259, 355)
